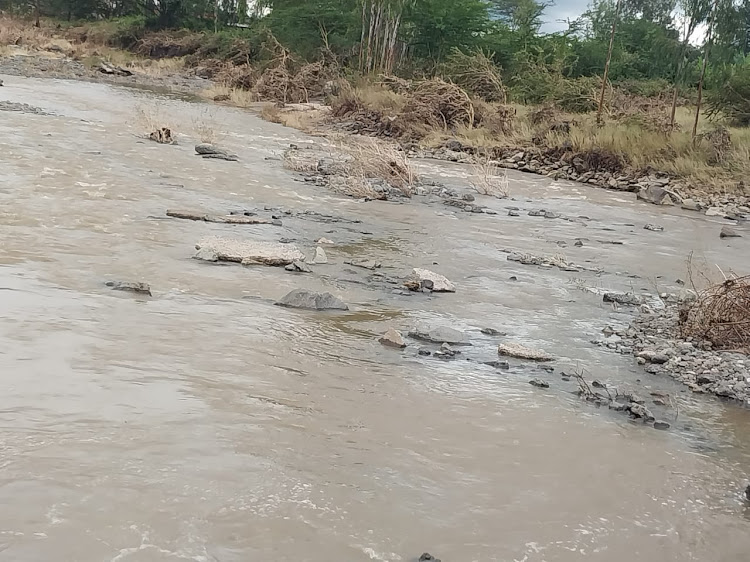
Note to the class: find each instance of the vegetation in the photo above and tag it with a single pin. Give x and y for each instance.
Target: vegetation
(426, 70)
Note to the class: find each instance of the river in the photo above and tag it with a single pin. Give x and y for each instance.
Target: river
(205, 423)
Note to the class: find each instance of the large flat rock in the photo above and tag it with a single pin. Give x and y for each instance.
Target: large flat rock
(248, 252)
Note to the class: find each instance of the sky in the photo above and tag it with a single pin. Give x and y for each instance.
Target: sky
(562, 10)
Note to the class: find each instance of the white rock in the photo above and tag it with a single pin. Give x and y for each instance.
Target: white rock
(440, 284)
(523, 352)
(248, 252)
(320, 256)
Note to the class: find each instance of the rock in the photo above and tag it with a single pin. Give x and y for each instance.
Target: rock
(640, 411)
(140, 288)
(522, 352)
(657, 195)
(537, 213)
(1, 82)
(393, 338)
(248, 252)
(427, 557)
(298, 266)
(206, 254)
(223, 219)
(539, 383)
(691, 205)
(724, 390)
(492, 332)
(446, 351)
(504, 365)
(366, 264)
(514, 214)
(630, 299)
(654, 227)
(424, 352)
(440, 284)
(441, 334)
(320, 256)
(302, 298)
(324, 241)
(654, 357)
(727, 232)
(207, 150)
(551, 215)
(659, 424)
(747, 493)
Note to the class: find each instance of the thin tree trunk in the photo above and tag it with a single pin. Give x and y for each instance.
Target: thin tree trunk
(370, 36)
(709, 39)
(606, 65)
(392, 47)
(362, 37)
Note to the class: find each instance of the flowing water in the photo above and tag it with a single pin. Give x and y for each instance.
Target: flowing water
(206, 424)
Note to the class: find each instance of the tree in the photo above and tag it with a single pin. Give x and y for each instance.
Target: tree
(436, 27)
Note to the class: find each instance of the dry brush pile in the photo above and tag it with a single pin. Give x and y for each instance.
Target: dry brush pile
(721, 315)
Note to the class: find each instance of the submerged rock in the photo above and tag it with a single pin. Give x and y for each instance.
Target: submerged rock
(661, 425)
(302, 298)
(539, 383)
(440, 335)
(492, 332)
(364, 263)
(522, 352)
(207, 150)
(248, 252)
(630, 299)
(427, 557)
(140, 288)
(393, 338)
(503, 365)
(654, 227)
(440, 284)
(727, 232)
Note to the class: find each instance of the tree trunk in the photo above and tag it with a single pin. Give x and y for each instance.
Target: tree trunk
(709, 39)
(606, 65)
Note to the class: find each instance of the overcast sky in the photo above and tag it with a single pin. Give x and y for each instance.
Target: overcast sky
(562, 10)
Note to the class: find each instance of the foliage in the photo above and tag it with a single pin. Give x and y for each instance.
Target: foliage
(732, 98)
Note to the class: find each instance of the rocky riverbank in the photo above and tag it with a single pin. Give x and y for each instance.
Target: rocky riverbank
(656, 188)
(654, 339)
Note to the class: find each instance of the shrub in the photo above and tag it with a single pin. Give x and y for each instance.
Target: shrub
(732, 100)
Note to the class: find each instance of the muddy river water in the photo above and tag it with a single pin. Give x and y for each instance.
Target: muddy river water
(205, 423)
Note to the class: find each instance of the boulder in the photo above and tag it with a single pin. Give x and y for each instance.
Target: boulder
(522, 352)
(302, 298)
(364, 263)
(662, 425)
(440, 284)
(727, 232)
(654, 227)
(630, 299)
(441, 334)
(393, 338)
(657, 195)
(248, 252)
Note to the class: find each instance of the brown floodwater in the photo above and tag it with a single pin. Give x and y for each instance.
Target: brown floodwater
(205, 423)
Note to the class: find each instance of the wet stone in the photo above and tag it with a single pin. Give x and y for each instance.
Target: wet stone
(302, 298)
(662, 425)
(539, 383)
(299, 267)
(503, 365)
(393, 338)
(440, 335)
(131, 287)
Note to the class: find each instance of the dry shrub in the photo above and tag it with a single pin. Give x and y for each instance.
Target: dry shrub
(374, 159)
(355, 186)
(440, 104)
(163, 135)
(720, 315)
(600, 160)
(395, 84)
(496, 118)
(243, 77)
(720, 142)
(477, 74)
(489, 179)
(544, 115)
(168, 44)
(303, 161)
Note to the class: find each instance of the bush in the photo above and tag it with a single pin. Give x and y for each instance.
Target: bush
(477, 74)
(732, 100)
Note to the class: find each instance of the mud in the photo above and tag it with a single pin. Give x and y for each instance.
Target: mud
(206, 423)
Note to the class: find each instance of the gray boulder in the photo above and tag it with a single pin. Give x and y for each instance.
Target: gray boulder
(393, 338)
(440, 335)
(302, 298)
(727, 232)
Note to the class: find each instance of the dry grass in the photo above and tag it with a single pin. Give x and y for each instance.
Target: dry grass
(233, 96)
(149, 119)
(206, 126)
(489, 179)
